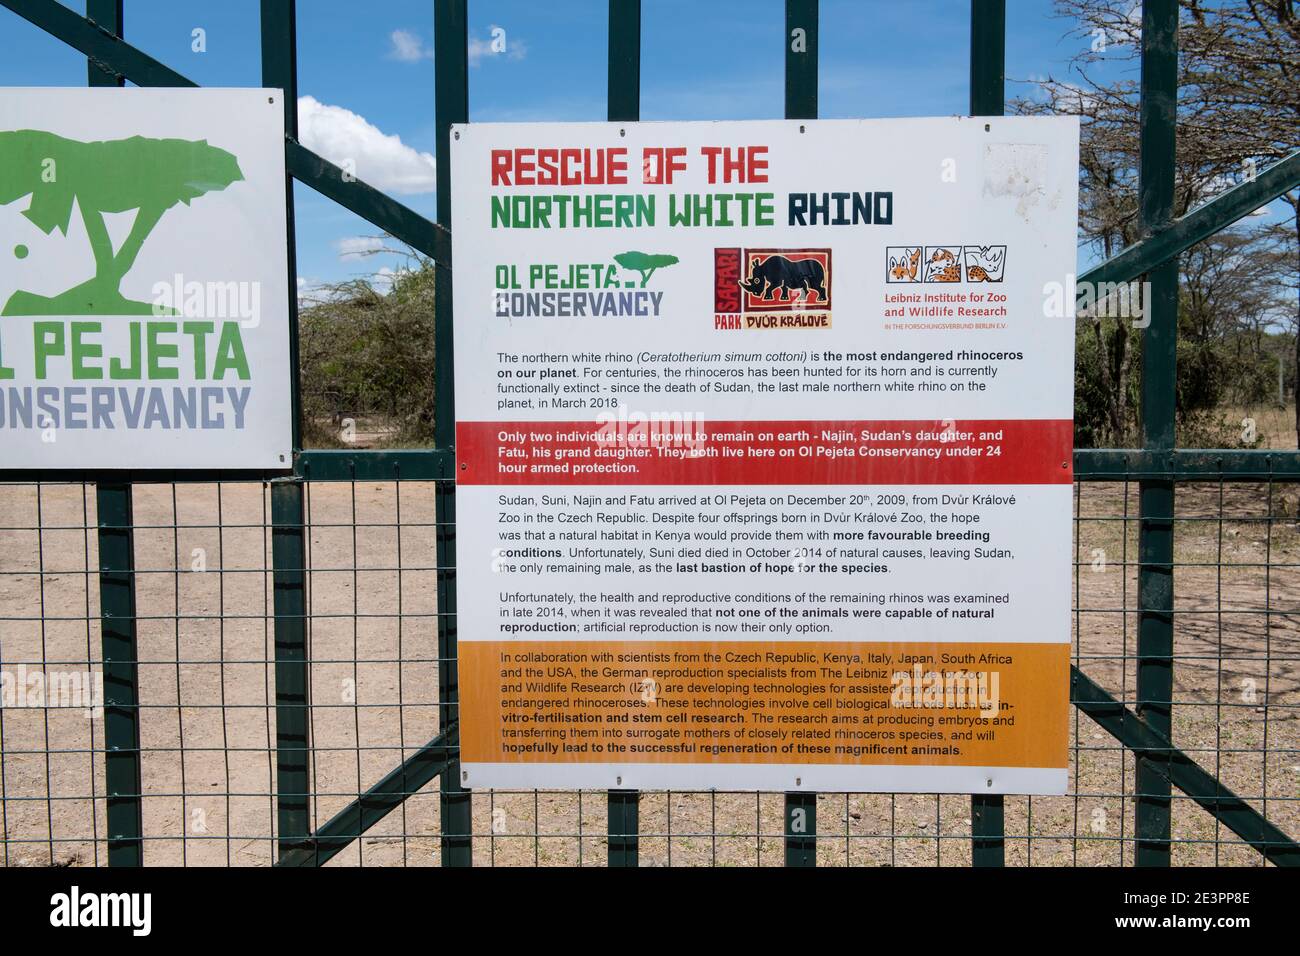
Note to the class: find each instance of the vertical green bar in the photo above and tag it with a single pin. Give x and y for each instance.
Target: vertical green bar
(801, 103)
(117, 605)
(289, 578)
(107, 15)
(280, 72)
(121, 674)
(624, 103)
(1155, 637)
(624, 95)
(800, 829)
(800, 59)
(988, 40)
(288, 541)
(624, 827)
(987, 830)
(451, 78)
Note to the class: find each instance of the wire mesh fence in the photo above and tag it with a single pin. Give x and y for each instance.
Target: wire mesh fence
(211, 603)
(205, 624)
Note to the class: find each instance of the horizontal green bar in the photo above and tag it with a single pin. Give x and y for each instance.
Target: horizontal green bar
(376, 803)
(362, 464)
(1201, 223)
(1183, 772)
(369, 465)
(96, 476)
(1193, 464)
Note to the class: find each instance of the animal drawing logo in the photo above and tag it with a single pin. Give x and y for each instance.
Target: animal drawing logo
(904, 266)
(985, 263)
(943, 265)
(785, 280)
(109, 176)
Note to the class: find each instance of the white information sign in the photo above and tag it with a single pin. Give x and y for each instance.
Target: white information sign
(764, 453)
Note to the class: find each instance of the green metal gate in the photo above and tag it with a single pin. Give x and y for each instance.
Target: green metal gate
(56, 794)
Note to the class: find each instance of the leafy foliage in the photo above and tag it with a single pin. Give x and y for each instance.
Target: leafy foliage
(370, 354)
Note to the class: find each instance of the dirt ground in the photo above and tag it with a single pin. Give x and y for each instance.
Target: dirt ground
(207, 691)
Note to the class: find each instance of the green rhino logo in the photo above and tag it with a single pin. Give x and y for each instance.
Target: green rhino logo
(147, 175)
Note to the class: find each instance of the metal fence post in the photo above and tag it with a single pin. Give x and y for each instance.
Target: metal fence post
(107, 15)
(624, 92)
(622, 807)
(288, 517)
(988, 39)
(624, 827)
(801, 17)
(988, 34)
(1155, 637)
(451, 78)
(122, 781)
(292, 748)
(800, 829)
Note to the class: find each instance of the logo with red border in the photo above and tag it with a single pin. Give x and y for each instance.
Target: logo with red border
(771, 288)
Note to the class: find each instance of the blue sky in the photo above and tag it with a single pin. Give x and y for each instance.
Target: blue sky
(368, 70)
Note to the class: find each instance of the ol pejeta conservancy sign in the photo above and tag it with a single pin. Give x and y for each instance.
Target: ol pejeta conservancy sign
(144, 297)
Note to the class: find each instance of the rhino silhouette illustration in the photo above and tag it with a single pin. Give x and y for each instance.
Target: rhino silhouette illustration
(778, 275)
(147, 175)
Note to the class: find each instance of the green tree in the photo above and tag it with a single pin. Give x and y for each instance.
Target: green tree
(1238, 110)
(644, 263)
(147, 175)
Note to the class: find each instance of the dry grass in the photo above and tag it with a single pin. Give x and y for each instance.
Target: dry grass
(1273, 423)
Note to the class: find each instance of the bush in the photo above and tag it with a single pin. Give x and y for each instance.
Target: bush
(365, 354)
(1237, 369)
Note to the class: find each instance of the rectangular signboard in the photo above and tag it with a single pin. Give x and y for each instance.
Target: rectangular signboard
(764, 453)
(144, 302)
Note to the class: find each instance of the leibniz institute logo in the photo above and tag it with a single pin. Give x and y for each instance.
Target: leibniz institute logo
(930, 264)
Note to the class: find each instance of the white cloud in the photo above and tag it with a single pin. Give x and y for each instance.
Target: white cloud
(377, 158)
(357, 247)
(408, 47)
(311, 291)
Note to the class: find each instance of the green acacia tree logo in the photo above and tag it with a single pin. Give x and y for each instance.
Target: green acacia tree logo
(644, 263)
(137, 173)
